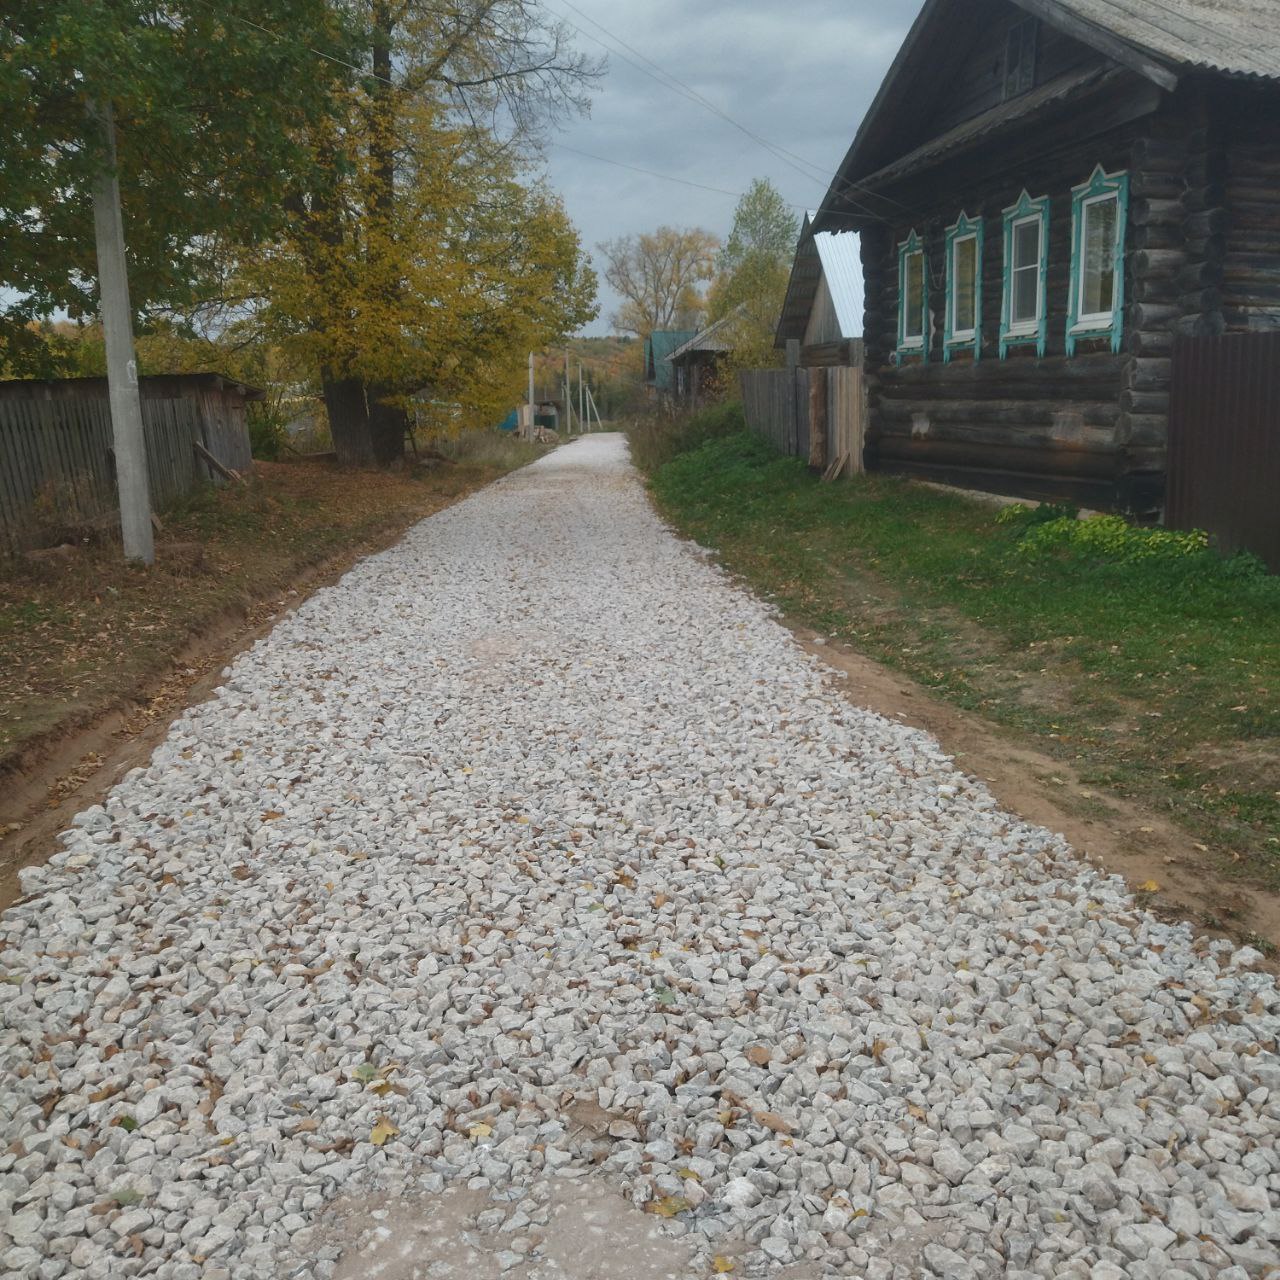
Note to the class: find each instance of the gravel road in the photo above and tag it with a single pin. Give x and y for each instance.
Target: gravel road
(534, 855)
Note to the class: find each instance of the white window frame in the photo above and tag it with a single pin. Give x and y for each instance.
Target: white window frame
(1026, 328)
(1091, 321)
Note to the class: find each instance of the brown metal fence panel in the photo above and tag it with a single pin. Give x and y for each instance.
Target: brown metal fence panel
(1224, 441)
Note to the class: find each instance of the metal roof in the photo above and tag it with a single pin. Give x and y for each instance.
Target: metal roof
(714, 337)
(841, 257)
(1235, 37)
(837, 257)
(657, 347)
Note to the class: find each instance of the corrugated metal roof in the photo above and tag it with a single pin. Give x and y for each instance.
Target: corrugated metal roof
(841, 257)
(714, 337)
(1237, 37)
(837, 256)
(658, 346)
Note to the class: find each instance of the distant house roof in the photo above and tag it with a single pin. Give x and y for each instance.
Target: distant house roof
(714, 337)
(835, 257)
(1161, 40)
(658, 346)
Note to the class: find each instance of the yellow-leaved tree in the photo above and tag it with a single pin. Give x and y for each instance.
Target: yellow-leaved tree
(420, 264)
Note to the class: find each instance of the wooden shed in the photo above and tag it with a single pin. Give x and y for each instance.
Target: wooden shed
(57, 465)
(823, 307)
(1049, 193)
(697, 365)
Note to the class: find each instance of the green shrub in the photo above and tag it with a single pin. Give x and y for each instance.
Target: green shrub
(1111, 538)
(266, 432)
(655, 441)
(1025, 517)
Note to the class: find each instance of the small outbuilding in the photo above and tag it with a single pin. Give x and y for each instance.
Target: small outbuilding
(57, 461)
(698, 363)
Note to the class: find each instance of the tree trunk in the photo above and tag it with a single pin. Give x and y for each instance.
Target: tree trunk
(349, 424)
(388, 426)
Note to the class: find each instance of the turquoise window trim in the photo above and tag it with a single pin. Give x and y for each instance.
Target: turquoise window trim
(963, 228)
(1101, 186)
(908, 347)
(1025, 209)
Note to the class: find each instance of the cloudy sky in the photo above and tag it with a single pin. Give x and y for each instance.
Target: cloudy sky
(797, 73)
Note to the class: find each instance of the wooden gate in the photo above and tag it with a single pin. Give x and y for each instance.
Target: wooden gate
(1224, 441)
(815, 414)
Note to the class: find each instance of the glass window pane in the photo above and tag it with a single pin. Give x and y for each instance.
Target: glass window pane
(1025, 301)
(1026, 289)
(1026, 243)
(1098, 273)
(964, 278)
(914, 301)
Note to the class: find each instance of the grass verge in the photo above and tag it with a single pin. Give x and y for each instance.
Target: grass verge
(81, 632)
(1154, 668)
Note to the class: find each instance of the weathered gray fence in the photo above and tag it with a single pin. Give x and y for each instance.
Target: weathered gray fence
(785, 405)
(57, 466)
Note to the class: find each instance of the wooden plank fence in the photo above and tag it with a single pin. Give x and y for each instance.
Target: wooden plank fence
(57, 467)
(1224, 441)
(785, 405)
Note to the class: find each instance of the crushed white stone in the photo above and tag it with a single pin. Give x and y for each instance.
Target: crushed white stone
(538, 811)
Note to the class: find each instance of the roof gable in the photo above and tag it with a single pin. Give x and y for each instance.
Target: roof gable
(1159, 40)
(837, 258)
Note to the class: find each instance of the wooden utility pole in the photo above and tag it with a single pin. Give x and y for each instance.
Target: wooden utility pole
(128, 441)
(568, 405)
(533, 404)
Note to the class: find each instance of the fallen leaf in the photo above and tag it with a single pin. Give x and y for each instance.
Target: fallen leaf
(365, 1072)
(917, 1112)
(271, 815)
(721, 1265)
(383, 1130)
(689, 1173)
(668, 1206)
(480, 1131)
(878, 1048)
(774, 1122)
(1149, 886)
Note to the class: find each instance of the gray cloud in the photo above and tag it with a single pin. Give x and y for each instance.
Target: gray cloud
(799, 73)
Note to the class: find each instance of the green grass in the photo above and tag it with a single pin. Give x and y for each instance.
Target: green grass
(1157, 677)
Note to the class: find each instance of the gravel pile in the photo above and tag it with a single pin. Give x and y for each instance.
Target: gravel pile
(535, 848)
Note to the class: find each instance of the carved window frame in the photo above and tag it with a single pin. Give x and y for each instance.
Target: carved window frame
(964, 228)
(1025, 332)
(1100, 188)
(912, 344)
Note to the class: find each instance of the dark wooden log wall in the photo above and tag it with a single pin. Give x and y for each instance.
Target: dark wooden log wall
(1202, 258)
(1251, 189)
(1055, 427)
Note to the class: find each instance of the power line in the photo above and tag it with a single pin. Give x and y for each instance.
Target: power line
(666, 177)
(670, 81)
